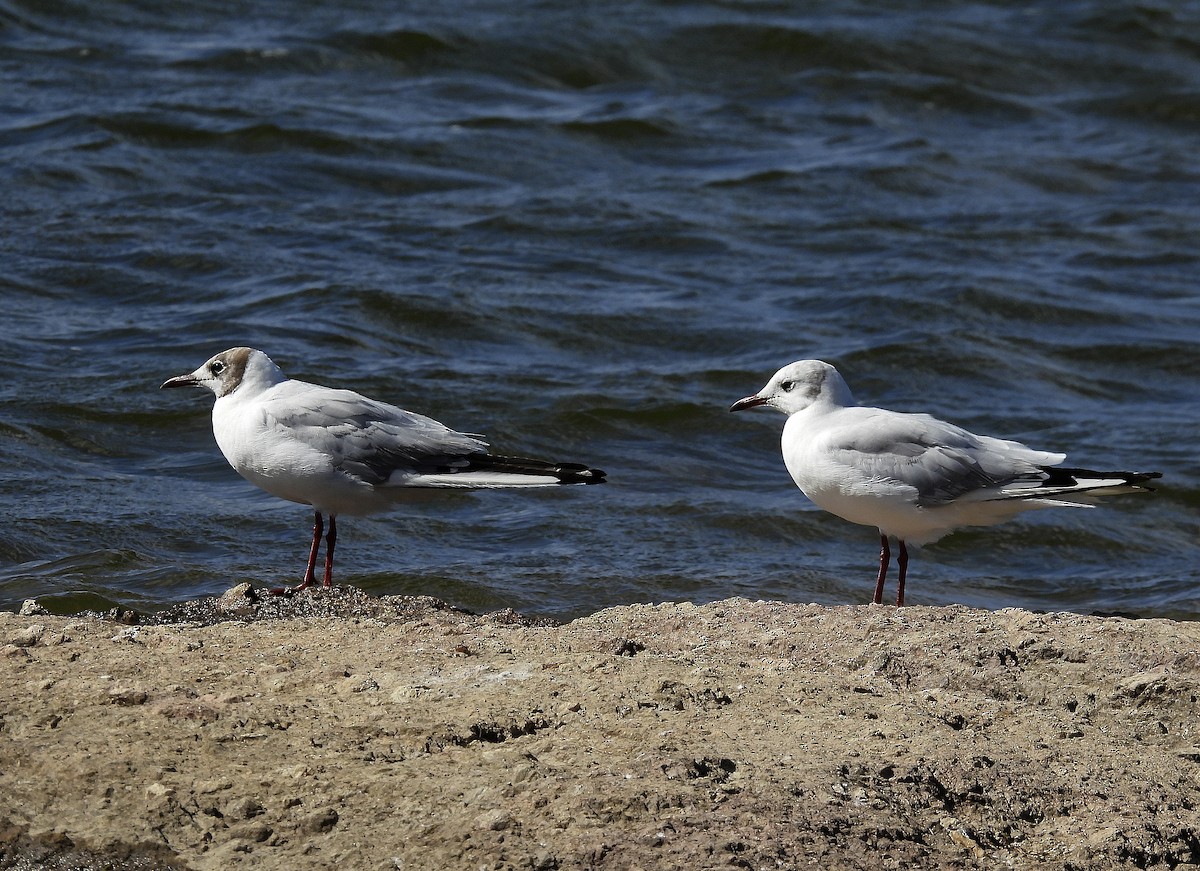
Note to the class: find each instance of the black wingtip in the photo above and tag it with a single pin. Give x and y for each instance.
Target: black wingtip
(1065, 477)
(1139, 479)
(566, 473)
(577, 473)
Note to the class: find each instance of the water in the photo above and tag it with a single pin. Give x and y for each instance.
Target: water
(585, 229)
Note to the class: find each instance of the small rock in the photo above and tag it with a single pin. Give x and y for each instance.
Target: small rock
(364, 684)
(626, 647)
(237, 600)
(123, 615)
(319, 821)
(127, 696)
(29, 636)
(31, 608)
(1143, 683)
(522, 773)
(11, 651)
(252, 832)
(243, 809)
(965, 842)
(207, 787)
(494, 821)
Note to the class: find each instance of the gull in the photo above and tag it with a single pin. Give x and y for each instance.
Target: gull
(343, 453)
(914, 477)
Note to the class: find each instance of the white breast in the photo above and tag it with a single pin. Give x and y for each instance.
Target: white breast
(847, 491)
(270, 456)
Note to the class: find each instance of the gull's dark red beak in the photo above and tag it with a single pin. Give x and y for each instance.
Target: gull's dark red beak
(180, 381)
(741, 405)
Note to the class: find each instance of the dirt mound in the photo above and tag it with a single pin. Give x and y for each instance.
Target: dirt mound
(336, 729)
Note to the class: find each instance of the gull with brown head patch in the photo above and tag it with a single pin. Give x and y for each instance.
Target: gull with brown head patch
(912, 476)
(343, 453)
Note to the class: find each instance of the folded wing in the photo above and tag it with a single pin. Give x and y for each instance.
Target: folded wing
(386, 446)
(938, 462)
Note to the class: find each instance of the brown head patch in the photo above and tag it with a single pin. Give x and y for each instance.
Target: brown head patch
(232, 369)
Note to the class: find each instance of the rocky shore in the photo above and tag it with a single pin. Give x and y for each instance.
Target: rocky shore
(339, 730)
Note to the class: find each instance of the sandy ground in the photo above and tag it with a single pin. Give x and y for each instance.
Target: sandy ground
(334, 730)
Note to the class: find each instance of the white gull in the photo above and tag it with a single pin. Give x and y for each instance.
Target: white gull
(914, 477)
(343, 453)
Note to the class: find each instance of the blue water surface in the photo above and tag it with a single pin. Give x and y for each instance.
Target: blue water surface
(584, 230)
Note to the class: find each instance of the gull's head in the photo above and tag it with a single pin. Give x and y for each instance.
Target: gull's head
(799, 385)
(243, 368)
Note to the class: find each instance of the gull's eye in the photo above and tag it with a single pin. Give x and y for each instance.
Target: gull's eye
(216, 367)
(787, 385)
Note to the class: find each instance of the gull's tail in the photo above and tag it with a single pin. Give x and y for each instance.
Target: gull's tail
(1080, 486)
(491, 470)
(1097, 483)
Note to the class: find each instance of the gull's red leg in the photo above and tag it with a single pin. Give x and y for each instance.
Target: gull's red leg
(885, 556)
(310, 570)
(330, 541)
(902, 562)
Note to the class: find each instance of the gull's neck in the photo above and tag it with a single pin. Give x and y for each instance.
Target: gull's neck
(259, 376)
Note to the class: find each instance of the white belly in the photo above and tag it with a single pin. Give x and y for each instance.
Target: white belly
(271, 458)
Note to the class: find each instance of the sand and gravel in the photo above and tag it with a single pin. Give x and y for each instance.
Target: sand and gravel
(337, 730)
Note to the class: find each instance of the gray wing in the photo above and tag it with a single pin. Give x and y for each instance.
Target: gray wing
(942, 462)
(368, 439)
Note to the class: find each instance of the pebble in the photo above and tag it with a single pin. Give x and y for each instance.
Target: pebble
(127, 696)
(319, 821)
(29, 636)
(243, 809)
(160, 791)
(237, 600)
(207, 787)
(31, 608)
(494, 821)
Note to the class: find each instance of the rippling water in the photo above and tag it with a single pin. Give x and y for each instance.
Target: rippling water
(585, 229)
